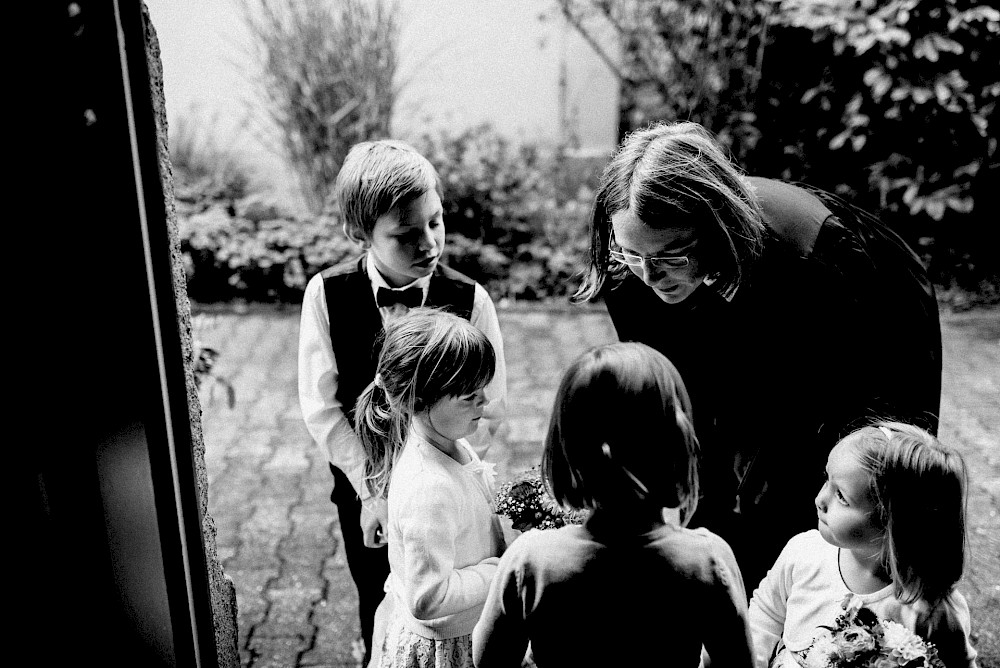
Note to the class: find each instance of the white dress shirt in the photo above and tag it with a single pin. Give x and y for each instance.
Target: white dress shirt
(322, 412)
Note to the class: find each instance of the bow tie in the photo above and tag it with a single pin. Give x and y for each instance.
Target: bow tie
(410, 297)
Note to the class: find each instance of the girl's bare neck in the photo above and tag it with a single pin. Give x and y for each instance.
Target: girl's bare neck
(862, 573)
(445, 445)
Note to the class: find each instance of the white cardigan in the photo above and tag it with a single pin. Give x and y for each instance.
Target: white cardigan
(804, 590)
(444, 539)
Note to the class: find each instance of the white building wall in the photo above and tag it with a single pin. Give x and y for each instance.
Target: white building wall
(473, 61)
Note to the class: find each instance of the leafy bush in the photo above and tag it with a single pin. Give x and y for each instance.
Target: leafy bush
(543, 267)
(512, 225)
(233, 254)
(492, 187)
(892, 103)
(205, 357)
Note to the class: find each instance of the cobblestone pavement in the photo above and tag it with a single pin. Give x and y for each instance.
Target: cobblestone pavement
(278, 535)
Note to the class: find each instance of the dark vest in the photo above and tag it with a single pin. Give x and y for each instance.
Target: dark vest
(355, 323)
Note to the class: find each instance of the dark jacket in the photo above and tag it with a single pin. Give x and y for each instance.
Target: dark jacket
(836, 323)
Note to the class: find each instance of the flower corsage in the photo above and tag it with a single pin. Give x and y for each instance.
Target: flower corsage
(859, 639)
(525, 502)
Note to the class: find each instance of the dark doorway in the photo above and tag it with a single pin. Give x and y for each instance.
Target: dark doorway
(110, 554)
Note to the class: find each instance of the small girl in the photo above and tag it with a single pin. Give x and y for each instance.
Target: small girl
(631, 586)
(890, 538)
(444, 540)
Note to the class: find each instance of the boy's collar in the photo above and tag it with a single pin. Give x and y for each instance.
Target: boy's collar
(378, 281)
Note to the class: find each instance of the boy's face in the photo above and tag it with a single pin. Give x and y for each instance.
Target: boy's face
(407, 242)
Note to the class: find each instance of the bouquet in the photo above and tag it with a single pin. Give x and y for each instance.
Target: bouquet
(859, 639)
(526, 503)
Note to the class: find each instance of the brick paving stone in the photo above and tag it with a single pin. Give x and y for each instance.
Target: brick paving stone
(277, 652)
(336, 619)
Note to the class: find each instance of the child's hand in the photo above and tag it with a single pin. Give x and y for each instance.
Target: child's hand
(375, 522)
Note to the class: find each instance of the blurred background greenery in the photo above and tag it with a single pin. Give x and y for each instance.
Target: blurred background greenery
(891, 104)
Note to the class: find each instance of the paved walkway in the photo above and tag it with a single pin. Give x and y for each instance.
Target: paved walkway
(278, 536)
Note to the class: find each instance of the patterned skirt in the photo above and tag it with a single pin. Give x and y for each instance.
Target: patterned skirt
(401, 648)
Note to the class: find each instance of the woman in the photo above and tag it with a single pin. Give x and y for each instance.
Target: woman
(791, 315)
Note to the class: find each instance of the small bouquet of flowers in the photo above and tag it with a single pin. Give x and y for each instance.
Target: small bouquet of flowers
(859, 639)
(528, 506)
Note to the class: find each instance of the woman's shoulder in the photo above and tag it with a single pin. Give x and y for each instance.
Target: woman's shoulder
(794, 214)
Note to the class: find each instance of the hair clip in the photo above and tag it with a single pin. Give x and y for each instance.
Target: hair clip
(378, 381)
(606, 449)
(886, 432)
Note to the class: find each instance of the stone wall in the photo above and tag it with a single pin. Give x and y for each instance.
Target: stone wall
(222, 590)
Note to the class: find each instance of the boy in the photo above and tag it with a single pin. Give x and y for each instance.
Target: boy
(390, 201)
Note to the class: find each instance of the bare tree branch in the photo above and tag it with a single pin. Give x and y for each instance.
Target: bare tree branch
(577, 23)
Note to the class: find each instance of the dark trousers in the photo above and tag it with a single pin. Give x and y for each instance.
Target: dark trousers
(369, 566)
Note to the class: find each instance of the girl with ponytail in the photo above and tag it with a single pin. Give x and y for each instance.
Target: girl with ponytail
(444, 540)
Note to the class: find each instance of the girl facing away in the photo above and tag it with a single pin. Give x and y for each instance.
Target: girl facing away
(444, 540)
(890, 538)
(632, 585)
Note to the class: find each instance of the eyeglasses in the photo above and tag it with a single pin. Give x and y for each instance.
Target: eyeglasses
(633, 260)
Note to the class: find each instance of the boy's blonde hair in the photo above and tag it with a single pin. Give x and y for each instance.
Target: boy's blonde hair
(426, 355)
(918, 487)
(620, 435)
(378, 177)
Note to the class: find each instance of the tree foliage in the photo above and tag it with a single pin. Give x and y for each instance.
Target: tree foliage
(697, 60)
(327, 73)
(918, 86)
(893, 103)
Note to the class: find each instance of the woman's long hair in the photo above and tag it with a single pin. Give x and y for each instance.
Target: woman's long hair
(676, 174)
(426, 355)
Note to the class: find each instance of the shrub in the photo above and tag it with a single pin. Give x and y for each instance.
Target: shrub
(511, 226)
(892, 103)
(492, 187)
(234, 256)
(543, 267)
